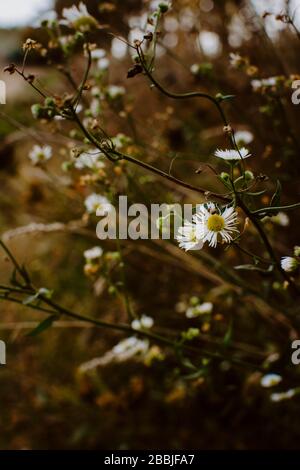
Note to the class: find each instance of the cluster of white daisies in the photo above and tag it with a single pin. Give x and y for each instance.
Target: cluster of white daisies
(210, 224)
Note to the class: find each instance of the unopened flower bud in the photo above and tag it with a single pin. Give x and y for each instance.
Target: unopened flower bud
(297, 250)
(249, 176)
(225, 177)
(164, 7)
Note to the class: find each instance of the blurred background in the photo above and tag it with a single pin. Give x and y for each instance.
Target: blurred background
(46, 402)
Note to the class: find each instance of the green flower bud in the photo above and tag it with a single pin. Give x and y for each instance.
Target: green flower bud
(225, 177)
(37, 111)
(190, 334)
(297, 250)
(112, 290)
(194, 301)
(164, 7)
(66, 166)
(249, 176)
(74, 134)
(49, 102)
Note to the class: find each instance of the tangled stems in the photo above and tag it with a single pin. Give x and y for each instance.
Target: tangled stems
(180, 96)
(267, 244)
(105, 146)
(113, 155)
(251, 215)
(52, 308)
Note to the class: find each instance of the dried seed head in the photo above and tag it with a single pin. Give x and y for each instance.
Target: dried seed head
(11, 68)
(227, 129)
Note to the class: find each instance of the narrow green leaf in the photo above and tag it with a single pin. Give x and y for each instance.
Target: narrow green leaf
(228, 334)
(44, 325)
(252, 267)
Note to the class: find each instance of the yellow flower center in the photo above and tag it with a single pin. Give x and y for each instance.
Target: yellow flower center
(215, 223)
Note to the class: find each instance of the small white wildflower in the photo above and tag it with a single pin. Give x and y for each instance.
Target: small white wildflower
(243, 137)
(277, 397)
(281, 219)
(213, 223)
(205, 308)
(144, 322)
(264, 82)
(103, 63)
(97, 54)
(40, 154)
(93, 253)
(187, 237)
(94, 202)
(130, 347)
(289, 264)
(95, 91)
(194, 69)
(115, 91)
(65, 41)
(95, 107)
(79, 18)
(270, 380)
(232, 155)
(121, 140)
(88, 160)
(256, 84)
(136, 324)
(235, 59)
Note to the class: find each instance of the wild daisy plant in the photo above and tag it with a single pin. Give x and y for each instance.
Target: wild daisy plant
(222, 220)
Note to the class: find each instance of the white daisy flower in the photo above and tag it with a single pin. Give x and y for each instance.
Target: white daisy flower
(144, 322)
(115, 91)
(93, 253)
(270, 380)
(205, 308)
(94, 202)
(88, 160)
(79, 18)
(243, 137)
(232, 155)
(40, 154)
(213, 223)
(289, 264)
(187, 237)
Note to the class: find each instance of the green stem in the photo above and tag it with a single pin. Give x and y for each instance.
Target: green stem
(276, 208)
(147, 166)
(267, 244)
